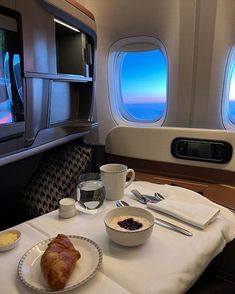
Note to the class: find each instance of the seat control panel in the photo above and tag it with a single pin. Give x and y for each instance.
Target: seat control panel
(202, 150)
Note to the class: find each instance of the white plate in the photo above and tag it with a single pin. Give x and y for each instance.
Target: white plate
(30, 273)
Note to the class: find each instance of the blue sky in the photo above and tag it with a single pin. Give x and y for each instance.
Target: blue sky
(144, 77)
(232, 86)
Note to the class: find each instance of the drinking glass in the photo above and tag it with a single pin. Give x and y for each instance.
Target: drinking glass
(90, 192)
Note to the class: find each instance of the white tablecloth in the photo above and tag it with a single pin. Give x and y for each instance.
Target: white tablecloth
(167, 263)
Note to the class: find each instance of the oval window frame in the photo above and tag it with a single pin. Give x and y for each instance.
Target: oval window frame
(115, 59)
(228, 124)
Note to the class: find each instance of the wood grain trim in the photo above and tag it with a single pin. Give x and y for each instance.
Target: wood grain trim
(202, 174)
(207, 182)
(220, 194)
(80, 7)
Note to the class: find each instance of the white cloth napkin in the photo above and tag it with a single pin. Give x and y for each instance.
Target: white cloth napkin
(196, 214)
(180, 203)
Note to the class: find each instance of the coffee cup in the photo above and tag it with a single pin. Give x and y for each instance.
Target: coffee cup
(67, 208)
(114, 178)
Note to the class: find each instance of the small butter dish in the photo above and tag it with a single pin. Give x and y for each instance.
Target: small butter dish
(9, 239)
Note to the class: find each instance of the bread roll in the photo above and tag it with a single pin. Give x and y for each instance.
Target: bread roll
(58, 261)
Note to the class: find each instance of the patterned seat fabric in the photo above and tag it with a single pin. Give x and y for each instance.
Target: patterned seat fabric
(55, 178)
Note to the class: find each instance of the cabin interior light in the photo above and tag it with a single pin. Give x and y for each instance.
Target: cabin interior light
(66, 25)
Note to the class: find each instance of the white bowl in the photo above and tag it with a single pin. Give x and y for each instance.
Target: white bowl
(10, 241)
(127, 237)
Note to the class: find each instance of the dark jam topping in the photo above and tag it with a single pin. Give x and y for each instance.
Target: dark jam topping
(130, 224)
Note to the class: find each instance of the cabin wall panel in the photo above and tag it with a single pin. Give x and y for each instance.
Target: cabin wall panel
(171, 21)
(224, 38)
(204, 35)
(197, 34)
(155, 144)
(65, 6)
(186, 66)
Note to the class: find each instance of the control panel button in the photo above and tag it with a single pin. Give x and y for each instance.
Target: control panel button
(202, 150)
(181, 147)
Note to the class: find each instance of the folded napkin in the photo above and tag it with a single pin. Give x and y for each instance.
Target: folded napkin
(192, 212)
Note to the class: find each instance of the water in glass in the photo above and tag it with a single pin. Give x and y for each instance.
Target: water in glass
(91, 192)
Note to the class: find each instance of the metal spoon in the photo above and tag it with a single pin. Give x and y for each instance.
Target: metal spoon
(121, 203)
(159, 196)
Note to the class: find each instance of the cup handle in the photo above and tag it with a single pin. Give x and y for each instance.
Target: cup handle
(130, 170)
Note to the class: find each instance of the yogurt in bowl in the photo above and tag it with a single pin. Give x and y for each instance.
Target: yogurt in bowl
(129, 226)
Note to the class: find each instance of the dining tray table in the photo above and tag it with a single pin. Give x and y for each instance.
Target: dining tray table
(167, 262)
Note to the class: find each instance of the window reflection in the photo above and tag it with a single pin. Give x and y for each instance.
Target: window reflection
(232, 96)
(5, 82)
(17, 75)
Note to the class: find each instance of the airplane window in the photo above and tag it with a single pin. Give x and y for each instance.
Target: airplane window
(228, 108)
(143, 85)
(232, 96)
(138, 81)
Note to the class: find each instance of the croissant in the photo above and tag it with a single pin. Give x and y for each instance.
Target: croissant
(58, 261)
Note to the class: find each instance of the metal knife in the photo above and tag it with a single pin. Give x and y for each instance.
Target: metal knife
(171, 226)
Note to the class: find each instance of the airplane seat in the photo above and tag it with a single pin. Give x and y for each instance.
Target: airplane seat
(226, 264)
(148, 152)
(56, 177)
(219, 276)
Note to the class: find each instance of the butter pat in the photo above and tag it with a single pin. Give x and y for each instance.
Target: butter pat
(8, 238)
